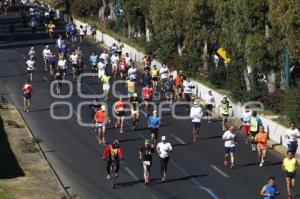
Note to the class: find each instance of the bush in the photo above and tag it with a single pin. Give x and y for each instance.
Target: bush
(84, 8)
(291, 105)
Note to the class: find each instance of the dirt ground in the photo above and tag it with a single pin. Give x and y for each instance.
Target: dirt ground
(24, 173)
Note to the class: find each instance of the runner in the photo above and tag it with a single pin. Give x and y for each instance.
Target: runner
(196, 114)
(59, 41)
(164, 74)
(46, 54)
(68, 30)
(261, 140)
(130, 88)
(73, 33)
(269, 191)
(135, 112)
(188, 87)
(255, 122)
(146, 79)
(58, 75)
(85, 27)
(101, 119)
(230, 141)
(209, 105)
(120, 46)
(163, 149)
(123, 68)
(147, 96)
(154, 75)
(27, 90)
(153, 124)
(120, 113)
(293, 134)
(224, 111)
(178, 87)
(105, 79)
(51, 28)
(79, 69)
(94, 32)
(105, 56)
(94, 61)
(169, 88)
(132, 73)
(113, 49)
(113, 152)
(147, 62)
(290, 167)
(74, 61)
(114, 60)
(128, 59)
(145, 154)
(95, 106)
(246, 118)
(81, 33)
(30, 68)
(52, 63)
(101, 68)
(62, 66)
(32, 53)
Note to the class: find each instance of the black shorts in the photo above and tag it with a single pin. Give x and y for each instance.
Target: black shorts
(155, 79)
(196, 125)
(253, 133)
(93, 33)
(291, 175)
(27, 95)
(187, 97)
(148, 99)
(154, 131)
(120, 113)
(29, 71)
(209, 107)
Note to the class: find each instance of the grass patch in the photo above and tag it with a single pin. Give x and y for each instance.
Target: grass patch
(30, 146)
(14, 124)
(5, 192)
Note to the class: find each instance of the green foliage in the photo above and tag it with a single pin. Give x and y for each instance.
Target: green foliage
(291, 105)
(84, 8)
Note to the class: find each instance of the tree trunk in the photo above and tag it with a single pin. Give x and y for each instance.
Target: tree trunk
(148, 34)
(271, 81)
(251, 77)
(205, 59)
(247, 79)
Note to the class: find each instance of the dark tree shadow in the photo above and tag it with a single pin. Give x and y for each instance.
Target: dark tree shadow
(9, 165)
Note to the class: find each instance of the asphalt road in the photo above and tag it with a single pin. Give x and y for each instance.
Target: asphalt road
(196, 169)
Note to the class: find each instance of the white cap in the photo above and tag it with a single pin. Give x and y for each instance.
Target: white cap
(154, 112)
(195, 103)
(163, 138)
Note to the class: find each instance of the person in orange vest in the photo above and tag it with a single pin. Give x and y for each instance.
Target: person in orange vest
(261, 140)
(120, 113)
(101, 120)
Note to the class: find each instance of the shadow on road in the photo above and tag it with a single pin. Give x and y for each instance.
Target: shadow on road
(9, 164)
(157, 181)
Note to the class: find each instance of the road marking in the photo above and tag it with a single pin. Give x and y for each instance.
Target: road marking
(46, 79)
(199, 186)
(131, 173)
(178, 139)
(219, 171)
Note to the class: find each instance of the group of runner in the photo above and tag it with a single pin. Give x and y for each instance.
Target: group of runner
(154, 81)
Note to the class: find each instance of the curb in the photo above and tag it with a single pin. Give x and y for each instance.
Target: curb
(42, 153)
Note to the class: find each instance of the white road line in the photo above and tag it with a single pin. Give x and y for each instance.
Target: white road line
(46, 79)
(219, 171)
(131, 173)
(178, 139)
